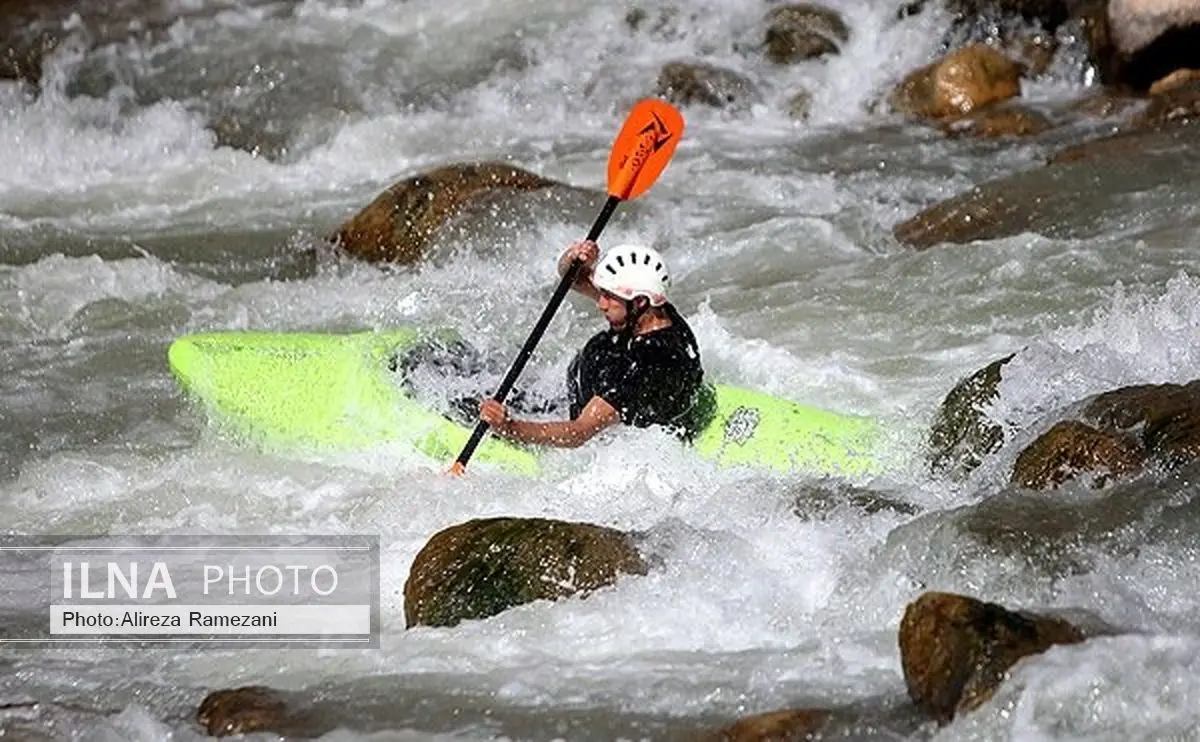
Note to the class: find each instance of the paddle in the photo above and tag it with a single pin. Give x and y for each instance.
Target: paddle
(639, 154)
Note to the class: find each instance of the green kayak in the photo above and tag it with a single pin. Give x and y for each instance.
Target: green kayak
(326, 391)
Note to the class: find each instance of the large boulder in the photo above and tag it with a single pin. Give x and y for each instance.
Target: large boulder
(1070, 448)
(1117, 434)
(964, 80)
(483, 567)
(1138, 23)
(1132, 43)
(956, 651)
(398, 225)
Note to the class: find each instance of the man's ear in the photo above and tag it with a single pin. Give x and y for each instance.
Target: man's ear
(641, 303)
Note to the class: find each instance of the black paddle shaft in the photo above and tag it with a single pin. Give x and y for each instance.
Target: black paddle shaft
(539, 329)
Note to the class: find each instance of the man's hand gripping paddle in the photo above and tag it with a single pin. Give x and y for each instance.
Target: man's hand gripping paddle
(639, 154)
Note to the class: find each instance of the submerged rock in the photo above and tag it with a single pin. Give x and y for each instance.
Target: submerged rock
(1069, 199)
(775, 726)
(998, 121)
(483, 567)
(688, 83)
(242, 711)
(398, 225)
(956, 651)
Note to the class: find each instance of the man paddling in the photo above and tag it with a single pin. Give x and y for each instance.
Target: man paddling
(643, 370)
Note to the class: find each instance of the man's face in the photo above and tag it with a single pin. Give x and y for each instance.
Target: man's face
(613, 309)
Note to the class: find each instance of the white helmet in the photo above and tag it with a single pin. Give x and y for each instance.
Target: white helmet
(629, 271)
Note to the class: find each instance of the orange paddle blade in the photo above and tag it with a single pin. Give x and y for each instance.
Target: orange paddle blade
(643, 148)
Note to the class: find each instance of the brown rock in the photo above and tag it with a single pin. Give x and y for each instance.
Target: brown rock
(241, 711)
(962, 81)
(803, 31)
(790, 725)
(482, 567)
(687, 83)
(961, 434)
(1167, 416)
(1178, 104)
(1143, 404)
(955, 650)
(397, 226)
(1072, 448)
(1174, 80)
(993, 122)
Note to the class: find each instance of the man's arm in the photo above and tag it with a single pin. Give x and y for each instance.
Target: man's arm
(596, 416)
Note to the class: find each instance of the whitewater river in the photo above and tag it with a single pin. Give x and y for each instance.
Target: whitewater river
(124, 223)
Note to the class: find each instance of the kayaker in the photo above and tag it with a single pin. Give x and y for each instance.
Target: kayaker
(643, 370)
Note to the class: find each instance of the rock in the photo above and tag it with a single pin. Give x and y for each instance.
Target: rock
(955, 650)
(687, 83)
(237, 133)
(817, 500)
(482, 567)
(800, 105)
(398, 225)
(790, 725)
(962, 81)
(803, 31)
(961, 434)
(21, 58)
(997, 121)
(1165, 416)
(1071, 448)
(663, 23)
(1066, 200)
(1178, 104)
(241, 711)
(1133, 43)
(1118, 433)
(1174, 80)
(1137, 23)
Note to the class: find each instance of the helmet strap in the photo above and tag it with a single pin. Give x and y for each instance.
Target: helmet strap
(633, 313)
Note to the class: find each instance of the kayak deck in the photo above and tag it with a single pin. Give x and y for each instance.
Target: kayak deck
(346, 392)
